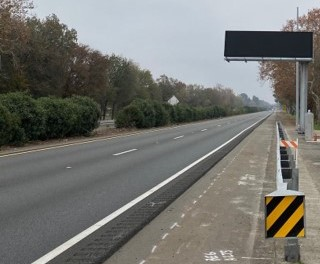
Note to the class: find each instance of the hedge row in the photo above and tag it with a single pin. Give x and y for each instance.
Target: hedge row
(145, 114)
(23, 118)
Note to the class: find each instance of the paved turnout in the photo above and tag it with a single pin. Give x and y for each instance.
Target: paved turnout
(49, 196)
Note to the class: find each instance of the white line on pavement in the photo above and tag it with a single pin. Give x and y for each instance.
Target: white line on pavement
(153, 249)
(204, 130)
(179, 137)
(125, 152)
(252, 258)
(174, 225)
(165, 235)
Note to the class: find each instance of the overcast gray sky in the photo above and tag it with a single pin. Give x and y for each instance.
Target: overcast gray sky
(183, 39)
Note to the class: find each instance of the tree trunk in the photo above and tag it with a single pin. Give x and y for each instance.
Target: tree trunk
(317, 103)
(113, 110)
(105, 109)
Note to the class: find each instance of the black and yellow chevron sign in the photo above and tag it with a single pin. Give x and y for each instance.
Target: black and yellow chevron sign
(285, 216)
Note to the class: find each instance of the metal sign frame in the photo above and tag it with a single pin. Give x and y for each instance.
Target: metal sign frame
(247, 45)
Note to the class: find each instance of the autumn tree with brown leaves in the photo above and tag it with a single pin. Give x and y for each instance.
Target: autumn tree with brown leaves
(13, 41)
(282, 74)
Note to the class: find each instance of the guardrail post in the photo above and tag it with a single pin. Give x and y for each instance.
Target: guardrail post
(294, 183)
(292, 247)
(292, 250)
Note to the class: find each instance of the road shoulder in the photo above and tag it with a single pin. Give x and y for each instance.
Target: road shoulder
(221, 217)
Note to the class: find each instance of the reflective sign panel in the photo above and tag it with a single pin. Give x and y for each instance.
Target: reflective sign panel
(285, 216)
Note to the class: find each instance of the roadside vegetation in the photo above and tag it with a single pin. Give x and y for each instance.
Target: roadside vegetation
(146, 114)
(24, 119)
(51, 86)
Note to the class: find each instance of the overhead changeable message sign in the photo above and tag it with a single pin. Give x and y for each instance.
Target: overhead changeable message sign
(268, 45)
(285, 215)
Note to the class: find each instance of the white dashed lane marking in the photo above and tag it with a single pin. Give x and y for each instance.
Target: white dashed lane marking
(174, 225)
(179, 137)
(124, 152)
(164, 236)
(153, 249)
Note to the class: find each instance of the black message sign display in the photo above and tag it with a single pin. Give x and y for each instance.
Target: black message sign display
(263, 45)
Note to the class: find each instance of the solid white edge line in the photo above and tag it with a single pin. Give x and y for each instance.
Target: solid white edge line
(60, 249)
(124, 152)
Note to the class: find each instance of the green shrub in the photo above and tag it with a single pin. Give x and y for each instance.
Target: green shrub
(190, 113)
(5, 125)
(251, 109)
(59, 120)
(161, 115)
(86, 115)
(143, 114)
(69, 117)
(10, 132)
(130, 116)
(184, 113)
(171, 110)
(26, 109)
(23, 118)
(147, 109)
(219, 111)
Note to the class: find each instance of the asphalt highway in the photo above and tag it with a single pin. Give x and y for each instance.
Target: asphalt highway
(49, 196)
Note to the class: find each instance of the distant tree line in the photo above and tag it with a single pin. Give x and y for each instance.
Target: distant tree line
(44, 59)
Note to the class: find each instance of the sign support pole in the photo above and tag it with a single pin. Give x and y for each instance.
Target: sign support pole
(297, 97)
(303, 94)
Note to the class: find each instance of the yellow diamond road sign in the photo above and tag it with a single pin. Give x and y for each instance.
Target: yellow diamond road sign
(285, 214)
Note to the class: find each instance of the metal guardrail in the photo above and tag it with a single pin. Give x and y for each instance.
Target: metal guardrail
(287, 179)
(287, 171)
(107, 123)
(281, 185)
